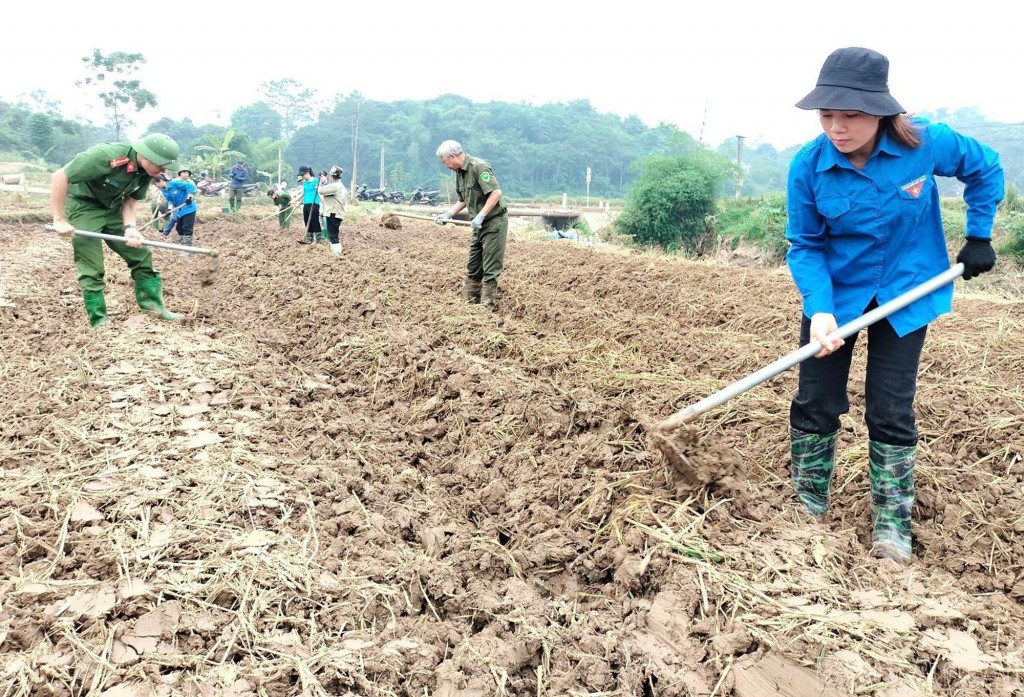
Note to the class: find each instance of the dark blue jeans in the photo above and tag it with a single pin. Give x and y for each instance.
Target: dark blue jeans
(889, 387)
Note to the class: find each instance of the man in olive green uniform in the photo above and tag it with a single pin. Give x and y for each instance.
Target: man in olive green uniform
(283, 199)
(479, 191)
(100, 190)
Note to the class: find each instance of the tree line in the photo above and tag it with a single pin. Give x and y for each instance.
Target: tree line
(536, 151)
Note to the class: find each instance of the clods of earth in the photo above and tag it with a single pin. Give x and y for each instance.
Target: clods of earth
(336, 478)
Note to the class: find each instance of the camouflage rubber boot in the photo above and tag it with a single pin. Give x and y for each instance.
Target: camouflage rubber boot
(813, 458)
(95, 306)
(149, 293)
(489, 295)
(472, 291)
(309, 238)
(186, 240)
(892, 497)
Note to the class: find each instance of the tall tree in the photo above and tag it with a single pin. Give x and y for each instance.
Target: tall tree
(112, 77)
(259, 120)
(293, 102)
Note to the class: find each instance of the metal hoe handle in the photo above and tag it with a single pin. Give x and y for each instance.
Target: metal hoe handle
(145, 242)
(804, 352)
(455, 221)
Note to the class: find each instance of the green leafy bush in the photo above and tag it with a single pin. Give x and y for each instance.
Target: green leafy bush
(761, 222)
(673, 201)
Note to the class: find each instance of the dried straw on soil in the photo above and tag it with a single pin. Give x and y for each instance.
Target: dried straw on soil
(338, 479)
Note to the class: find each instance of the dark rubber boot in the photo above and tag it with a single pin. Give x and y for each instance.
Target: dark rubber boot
(473, 291)
(489, 295)
(95, 306)
(892, 497)
(150, 296)
(813, 458)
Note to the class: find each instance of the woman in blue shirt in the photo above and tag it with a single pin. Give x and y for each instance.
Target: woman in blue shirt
(864, 226)
(310, 205)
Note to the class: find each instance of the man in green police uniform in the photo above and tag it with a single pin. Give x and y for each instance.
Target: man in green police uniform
(100, 191)
(479, 191)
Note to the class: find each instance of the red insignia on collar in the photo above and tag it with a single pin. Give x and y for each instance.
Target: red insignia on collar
(914, 187)
(130, 168)
(119, 162)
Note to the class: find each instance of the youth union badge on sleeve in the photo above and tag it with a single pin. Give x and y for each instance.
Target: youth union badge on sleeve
(914, 187)
(486, 176)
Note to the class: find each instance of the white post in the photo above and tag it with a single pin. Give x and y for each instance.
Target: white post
(279, 165)
(565, 200)
(588, 187)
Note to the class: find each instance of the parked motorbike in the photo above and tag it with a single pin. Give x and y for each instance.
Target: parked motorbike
(420, 197)
(396, 196)
(252, 190)
(208, 187)
(365, 194)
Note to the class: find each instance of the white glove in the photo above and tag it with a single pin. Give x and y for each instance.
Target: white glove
(443, 218)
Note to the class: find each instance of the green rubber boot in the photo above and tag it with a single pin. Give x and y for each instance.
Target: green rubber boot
(150, 296)
(892, 496)
(813, 458)
(472, 291)
(95, 306)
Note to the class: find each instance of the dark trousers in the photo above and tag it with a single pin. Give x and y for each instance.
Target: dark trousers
(889, 387)
(311, 216)
(185, 224)
(333, 228)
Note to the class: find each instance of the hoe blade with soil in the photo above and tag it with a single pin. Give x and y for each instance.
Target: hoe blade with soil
(206, 276)
(682, 446)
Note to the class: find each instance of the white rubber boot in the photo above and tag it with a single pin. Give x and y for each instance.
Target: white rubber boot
(336, 248)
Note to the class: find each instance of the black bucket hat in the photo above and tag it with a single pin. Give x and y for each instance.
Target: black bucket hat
(854, 79)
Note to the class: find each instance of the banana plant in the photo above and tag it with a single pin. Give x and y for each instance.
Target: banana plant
(218, 154)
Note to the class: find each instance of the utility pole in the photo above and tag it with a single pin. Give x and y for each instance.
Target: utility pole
(382, 163)
(739, 165)
(279, 165)
(355, 153)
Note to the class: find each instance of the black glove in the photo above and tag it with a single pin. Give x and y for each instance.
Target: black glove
(977, 256)
(188, 200)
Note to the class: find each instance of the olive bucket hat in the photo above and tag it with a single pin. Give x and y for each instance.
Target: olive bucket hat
(158, 148)
(854, 79)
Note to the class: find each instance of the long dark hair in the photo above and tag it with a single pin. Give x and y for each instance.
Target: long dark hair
(901, 130)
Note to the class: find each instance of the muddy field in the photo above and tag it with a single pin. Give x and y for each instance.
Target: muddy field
(337, 479)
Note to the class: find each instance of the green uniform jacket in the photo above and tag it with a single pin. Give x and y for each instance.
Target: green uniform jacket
(474, 181)
(283, 199)
(105, 175)
(99, 181)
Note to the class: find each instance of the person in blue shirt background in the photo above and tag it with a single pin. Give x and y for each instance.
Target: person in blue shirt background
(236, 188)
(864, 226)
(181, 194)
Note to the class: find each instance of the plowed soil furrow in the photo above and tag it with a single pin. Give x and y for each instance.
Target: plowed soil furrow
(337, 478)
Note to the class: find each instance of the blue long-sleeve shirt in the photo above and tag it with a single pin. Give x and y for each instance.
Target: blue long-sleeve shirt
(177, 192)
(238, 175)
(876, 233)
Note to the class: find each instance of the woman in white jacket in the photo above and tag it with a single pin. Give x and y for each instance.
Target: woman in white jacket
(334, 194)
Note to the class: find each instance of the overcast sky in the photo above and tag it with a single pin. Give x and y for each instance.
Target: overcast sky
(712, 67)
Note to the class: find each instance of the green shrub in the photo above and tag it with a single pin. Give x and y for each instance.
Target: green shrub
(673, 201)
(760, 222)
